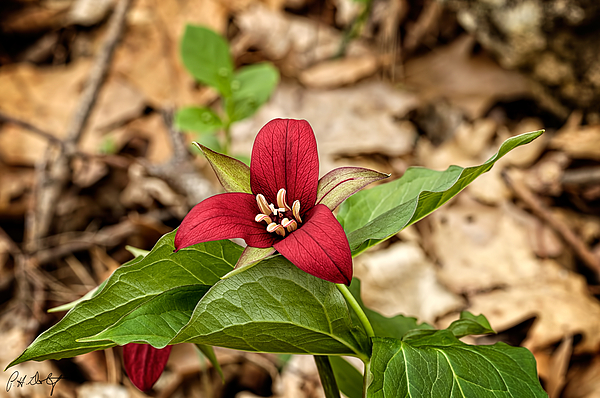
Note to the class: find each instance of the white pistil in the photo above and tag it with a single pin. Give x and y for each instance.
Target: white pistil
(273, 209)
(296, 210)
(262, 204)
(281, 200)
(263, 217)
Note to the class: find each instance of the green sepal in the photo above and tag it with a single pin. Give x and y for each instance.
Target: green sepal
(233, 175)
(341, 183)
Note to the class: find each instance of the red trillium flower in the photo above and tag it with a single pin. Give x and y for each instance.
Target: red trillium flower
(280, 203)
(144, 364)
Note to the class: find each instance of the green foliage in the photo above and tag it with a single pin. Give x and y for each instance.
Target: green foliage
(251, 87)
(131, 297)
(375, 214)
(199, 120)
(164, 297)
(275, 307)
(206, 56)
(348, 378)
(440, 365)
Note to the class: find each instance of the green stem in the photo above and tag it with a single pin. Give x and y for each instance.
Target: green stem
(357, 309)
(227, 143)
(330, 386)
(366, 378)
(368, 329)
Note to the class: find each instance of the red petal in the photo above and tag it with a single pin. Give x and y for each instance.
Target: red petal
(285, 155)
(144, 364)
(319, 247)
(224, 216)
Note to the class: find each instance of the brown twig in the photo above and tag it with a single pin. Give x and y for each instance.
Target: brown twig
(30, 127)
(54, 171)
(98, 72)
(515, 182)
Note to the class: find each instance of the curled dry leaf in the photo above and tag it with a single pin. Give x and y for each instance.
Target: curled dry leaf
(339, 72)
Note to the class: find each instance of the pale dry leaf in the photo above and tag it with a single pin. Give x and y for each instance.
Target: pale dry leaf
(580, 142)
(339, 72)
(471, 82)
(297, 42)
(89, 12)
(102, 390)
(558, 298)
(401, 280)
(353, 120)
(494, 246)
(300, 379)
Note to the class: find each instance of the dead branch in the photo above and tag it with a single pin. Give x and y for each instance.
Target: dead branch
(54, 171)
(515, 182)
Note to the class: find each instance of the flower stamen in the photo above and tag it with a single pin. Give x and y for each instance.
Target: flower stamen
(296, 210)
(263, 217)
(263, 205)
(290, 225)
(277, 228)
(281, 200)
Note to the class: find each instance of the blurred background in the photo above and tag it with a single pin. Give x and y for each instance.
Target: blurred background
(91, 161)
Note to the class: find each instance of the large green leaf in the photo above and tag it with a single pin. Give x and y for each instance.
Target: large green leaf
(396, 326)
(157, 321)
(348, 378)
(275, 307)
(376, 214)
(440, 365)
(129, 288)
(206, 56)
(251, 87)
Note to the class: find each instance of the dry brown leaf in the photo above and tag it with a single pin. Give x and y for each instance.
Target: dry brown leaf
(495, 249)
(578, 141)
(346, 121)
(148, 55)
(584, 380)
(560, 301)
(497, 269)
(401, 280)
(471, 82)
(339, 72)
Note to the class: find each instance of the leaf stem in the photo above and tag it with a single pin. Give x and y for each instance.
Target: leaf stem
(368, 329)
(357, 309)
(328, 381)
(366, 378)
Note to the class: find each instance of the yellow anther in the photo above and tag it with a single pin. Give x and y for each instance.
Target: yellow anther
(296, 210)
(290, 225)
(281, 200)
(262, 204)
(263, 217)
(277, 228)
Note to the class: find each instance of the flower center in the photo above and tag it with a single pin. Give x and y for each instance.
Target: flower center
(281, 218)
